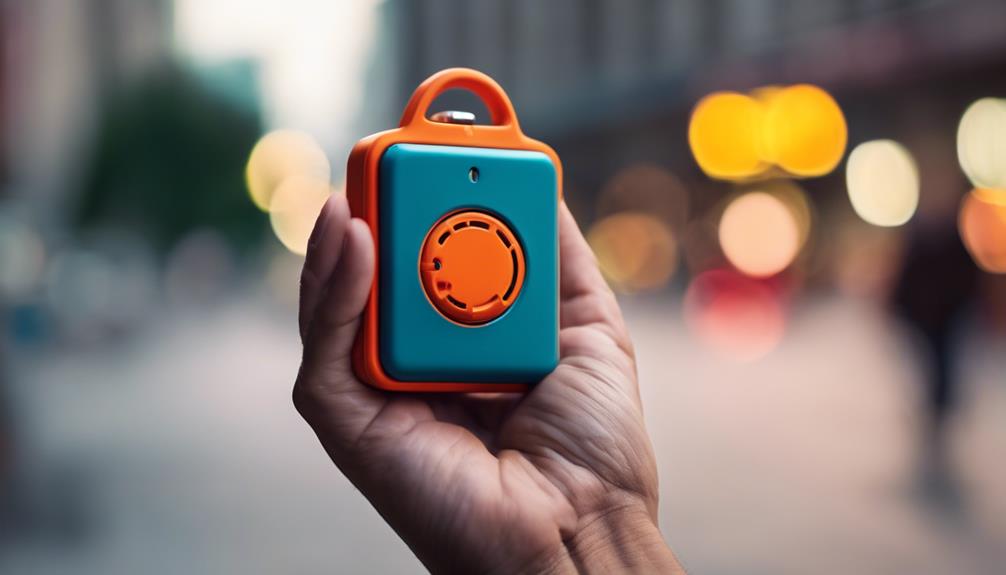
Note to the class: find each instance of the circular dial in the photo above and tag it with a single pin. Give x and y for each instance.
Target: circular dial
(471, 266)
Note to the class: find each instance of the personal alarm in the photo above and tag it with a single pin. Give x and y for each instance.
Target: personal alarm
(464, 219)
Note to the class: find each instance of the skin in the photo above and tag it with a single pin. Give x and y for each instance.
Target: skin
(562, 479)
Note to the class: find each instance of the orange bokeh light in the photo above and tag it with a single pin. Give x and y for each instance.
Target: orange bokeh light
(725, 135)
(982, 224)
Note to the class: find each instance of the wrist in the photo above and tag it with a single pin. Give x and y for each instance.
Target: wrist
(619, 540)
(622, 540)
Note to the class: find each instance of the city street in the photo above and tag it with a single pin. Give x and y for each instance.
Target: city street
(777, 190)
(178, 450)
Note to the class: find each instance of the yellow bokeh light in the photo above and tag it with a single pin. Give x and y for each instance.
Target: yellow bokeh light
(982, 224)
(804, 130)
(883, 182)
(764, 97)
(279, 155)
(635, 251)
(758, 234)
(294, 208)
(981, 143)
(724, 134)
(996, 197)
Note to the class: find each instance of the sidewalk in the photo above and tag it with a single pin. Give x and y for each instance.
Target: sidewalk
(182, 453)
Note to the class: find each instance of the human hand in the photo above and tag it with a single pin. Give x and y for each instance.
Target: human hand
(560, 479)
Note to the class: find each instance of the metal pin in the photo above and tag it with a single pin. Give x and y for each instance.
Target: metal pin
(453, 117)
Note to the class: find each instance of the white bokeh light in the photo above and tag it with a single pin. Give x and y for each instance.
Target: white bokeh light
(981, 143)
(883, 182)
(313, 54)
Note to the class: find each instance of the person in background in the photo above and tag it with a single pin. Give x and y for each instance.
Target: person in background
(936, 286)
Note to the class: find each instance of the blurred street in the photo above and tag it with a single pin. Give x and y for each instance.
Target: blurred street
(801, 204)
(179, 451)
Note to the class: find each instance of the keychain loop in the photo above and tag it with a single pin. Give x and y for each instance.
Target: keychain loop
(492, 95)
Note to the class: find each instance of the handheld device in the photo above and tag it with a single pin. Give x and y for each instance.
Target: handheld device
(464, 218)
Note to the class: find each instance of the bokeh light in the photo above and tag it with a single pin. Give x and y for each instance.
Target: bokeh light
(647, 188)
(279, 155)
(725, 134)
(981, 143)
(635, 251)
(982, 223)
(796, 201)
(883, 182)
(740, 317)
(804, 130)
(995, 197)
(294, 208)
(758, 234)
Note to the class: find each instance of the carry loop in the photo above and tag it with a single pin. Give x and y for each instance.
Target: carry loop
(500, 109)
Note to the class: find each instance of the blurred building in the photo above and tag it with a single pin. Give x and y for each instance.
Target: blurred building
(607, 82)
(61, 59)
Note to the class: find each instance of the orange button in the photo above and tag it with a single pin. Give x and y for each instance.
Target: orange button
(472, 267)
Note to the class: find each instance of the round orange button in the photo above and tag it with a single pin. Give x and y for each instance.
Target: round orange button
(472, 267)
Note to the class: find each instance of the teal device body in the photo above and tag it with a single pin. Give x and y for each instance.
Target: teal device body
(421, 184)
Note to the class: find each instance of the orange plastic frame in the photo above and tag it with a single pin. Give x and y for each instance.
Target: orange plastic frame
(362, 192)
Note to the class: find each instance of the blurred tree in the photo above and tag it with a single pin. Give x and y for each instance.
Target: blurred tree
(169, 157)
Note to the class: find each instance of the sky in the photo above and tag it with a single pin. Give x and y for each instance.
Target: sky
(313, 54)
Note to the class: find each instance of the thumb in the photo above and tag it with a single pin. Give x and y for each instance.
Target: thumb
(327, 393)
(333, 328)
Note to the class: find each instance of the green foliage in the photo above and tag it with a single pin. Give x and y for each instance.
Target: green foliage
(169, 157)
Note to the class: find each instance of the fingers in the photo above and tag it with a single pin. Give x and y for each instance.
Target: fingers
(336, 317)
(585, 298)
(327, 392)
(323, 250)
(578, 266)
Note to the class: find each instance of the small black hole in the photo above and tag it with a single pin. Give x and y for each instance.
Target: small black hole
(436, 264)
(473, 174)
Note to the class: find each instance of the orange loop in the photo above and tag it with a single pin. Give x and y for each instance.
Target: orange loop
(500, 108)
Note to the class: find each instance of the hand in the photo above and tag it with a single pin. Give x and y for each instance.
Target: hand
(560, 479)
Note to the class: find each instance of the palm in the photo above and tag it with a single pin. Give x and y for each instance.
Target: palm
(490, 473)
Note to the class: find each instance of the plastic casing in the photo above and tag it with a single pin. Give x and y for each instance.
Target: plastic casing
(419, 184)
(363, 188)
